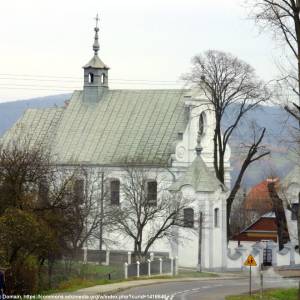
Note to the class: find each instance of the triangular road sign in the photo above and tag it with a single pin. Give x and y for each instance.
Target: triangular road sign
(250, 261)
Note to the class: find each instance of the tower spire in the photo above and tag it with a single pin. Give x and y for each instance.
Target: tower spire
(96, 46)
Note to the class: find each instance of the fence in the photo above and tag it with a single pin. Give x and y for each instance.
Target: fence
(113, 257)
(167, 266)
(287, 257)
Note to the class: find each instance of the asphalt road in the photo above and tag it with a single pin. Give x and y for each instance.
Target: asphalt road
(199, 290)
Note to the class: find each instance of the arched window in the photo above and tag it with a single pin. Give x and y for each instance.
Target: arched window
(91, 77)
(115, 192)
(151, 192)
(188, 217)
(202, 123)
(102, 78)
(78, 190)
(216, 217)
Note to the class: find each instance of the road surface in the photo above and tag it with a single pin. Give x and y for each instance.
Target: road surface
(199, 290)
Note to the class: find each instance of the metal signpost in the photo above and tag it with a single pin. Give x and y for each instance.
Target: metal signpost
(250, 262)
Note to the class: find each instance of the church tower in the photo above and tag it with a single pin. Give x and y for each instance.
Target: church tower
(95, 73)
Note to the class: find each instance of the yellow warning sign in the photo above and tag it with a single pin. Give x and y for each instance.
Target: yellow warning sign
(250, 261)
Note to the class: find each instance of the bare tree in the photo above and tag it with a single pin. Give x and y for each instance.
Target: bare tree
(281, 222)
(240, 216)
(231, 86)
(282, 17)
(84, 216)
(147, 212)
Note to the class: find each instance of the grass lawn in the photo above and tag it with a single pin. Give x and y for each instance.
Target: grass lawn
(278, 294)
(74, 284)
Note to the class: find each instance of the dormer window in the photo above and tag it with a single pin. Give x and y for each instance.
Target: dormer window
(91, 77)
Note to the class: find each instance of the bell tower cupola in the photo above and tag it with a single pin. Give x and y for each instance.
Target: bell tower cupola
(95, 73)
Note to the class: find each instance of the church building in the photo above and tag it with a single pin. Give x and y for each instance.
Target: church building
(169, 130)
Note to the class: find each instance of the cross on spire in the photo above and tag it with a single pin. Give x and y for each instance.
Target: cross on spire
(97, 20)
(96, 46)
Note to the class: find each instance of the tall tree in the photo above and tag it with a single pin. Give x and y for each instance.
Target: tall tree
(282, 18)
(281, 222)
(232, 87)
(148, 212)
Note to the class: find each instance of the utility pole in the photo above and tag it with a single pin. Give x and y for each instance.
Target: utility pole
(101, 212)
(200, 242)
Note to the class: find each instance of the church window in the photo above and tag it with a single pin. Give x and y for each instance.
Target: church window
(78, 190)
(202, 123)
(188, 217)
(216, 217)
(115, 192)
(151, 193)
(91, 77)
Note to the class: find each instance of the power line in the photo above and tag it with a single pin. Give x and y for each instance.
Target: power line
(51, 78)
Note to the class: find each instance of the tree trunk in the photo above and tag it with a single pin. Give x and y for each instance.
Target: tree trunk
(278, 208)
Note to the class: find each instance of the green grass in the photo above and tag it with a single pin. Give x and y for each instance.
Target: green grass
(75, 284)
(278, 294)
(81, 276)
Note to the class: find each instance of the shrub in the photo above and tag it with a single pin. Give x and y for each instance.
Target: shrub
(22, 277)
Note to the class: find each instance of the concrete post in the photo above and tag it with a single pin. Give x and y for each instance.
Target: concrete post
(85, 251)
(172, 266)
(149, 267)
(151, 256)
(291, 248)
(176, 265)
(137, 269)
(126, 270)
(160, 266)
(242, 250)
(129, 258)
(107, 257)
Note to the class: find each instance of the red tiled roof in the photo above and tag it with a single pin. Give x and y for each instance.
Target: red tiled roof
(258, 199)
(264, 228)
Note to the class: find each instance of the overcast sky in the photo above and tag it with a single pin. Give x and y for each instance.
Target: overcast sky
(147, 44)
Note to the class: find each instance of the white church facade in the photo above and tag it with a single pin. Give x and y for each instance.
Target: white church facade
(169, 132)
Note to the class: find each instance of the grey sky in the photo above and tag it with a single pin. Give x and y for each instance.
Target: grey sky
(139, 40)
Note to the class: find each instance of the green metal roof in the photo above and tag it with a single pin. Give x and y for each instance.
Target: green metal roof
(124, 126)
(36, 126)
(96, 63)
(199, 177)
